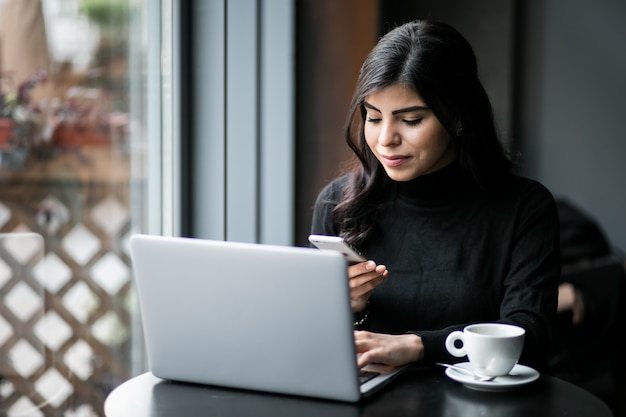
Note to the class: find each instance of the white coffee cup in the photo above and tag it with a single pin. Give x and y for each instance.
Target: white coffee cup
(493, 349)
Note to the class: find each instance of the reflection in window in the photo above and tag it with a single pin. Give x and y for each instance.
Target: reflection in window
(68, 135)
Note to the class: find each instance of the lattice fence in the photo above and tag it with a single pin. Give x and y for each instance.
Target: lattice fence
(65, 310)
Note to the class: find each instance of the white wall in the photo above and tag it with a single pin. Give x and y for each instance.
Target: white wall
(573, 114)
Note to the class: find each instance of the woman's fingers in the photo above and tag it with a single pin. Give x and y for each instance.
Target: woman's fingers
(363, 278)
(394, 350)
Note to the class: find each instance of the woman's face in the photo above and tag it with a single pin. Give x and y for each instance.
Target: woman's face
(404, 134)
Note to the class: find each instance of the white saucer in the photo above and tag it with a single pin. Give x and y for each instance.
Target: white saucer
(519, 375)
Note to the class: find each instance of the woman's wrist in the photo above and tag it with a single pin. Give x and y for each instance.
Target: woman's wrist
(360, 317)
(417, 348)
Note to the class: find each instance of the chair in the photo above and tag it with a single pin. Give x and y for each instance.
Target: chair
(589, 354)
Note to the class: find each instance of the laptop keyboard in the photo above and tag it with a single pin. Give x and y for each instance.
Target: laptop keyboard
(367, 375)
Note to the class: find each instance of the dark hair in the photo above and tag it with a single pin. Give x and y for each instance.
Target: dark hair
(438, 63)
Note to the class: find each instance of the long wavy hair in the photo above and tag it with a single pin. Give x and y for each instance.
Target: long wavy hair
(438, 63)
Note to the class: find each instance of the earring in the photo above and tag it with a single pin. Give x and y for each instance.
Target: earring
(459, 132)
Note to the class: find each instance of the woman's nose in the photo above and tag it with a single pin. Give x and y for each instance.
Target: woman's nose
(389, 136)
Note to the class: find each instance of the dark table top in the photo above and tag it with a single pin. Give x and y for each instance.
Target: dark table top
(417, 392)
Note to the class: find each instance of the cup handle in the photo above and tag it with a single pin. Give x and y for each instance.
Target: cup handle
(453, 337)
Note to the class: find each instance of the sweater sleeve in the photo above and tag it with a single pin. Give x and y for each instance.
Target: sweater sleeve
(530, 288)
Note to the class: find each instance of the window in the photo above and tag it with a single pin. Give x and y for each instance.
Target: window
(243, 147)
(161, 117)
(77, 164)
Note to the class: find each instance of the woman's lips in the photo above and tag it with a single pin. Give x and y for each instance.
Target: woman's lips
(393, 160)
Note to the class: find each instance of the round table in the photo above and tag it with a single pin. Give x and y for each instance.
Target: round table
(417, 392)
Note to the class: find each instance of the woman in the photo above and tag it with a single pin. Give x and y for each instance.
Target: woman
(432, 196)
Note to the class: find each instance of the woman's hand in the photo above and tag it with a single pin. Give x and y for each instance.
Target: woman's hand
(364, 277)
(393, 350)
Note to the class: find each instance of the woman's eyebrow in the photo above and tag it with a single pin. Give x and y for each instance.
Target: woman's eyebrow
(410, 109)
(404, 110)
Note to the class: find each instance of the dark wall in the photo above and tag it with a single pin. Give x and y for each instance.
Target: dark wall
(572, 105)
(332, 39)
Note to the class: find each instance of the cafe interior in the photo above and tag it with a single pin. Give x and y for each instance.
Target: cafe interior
(223, 119)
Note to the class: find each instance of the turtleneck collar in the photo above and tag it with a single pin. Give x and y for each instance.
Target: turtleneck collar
(436, 184)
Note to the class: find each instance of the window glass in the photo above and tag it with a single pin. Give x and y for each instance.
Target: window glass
(73, 163)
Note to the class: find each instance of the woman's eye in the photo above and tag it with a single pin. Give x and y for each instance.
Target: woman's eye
(413, 122)
(372, 120)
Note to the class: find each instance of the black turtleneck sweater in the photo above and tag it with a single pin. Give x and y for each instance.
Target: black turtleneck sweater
(457, 255)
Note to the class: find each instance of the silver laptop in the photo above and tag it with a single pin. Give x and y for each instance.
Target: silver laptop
(249, 316)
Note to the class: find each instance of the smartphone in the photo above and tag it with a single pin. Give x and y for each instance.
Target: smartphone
(338, 244)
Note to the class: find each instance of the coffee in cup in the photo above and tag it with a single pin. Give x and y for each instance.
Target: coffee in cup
(493, 349)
